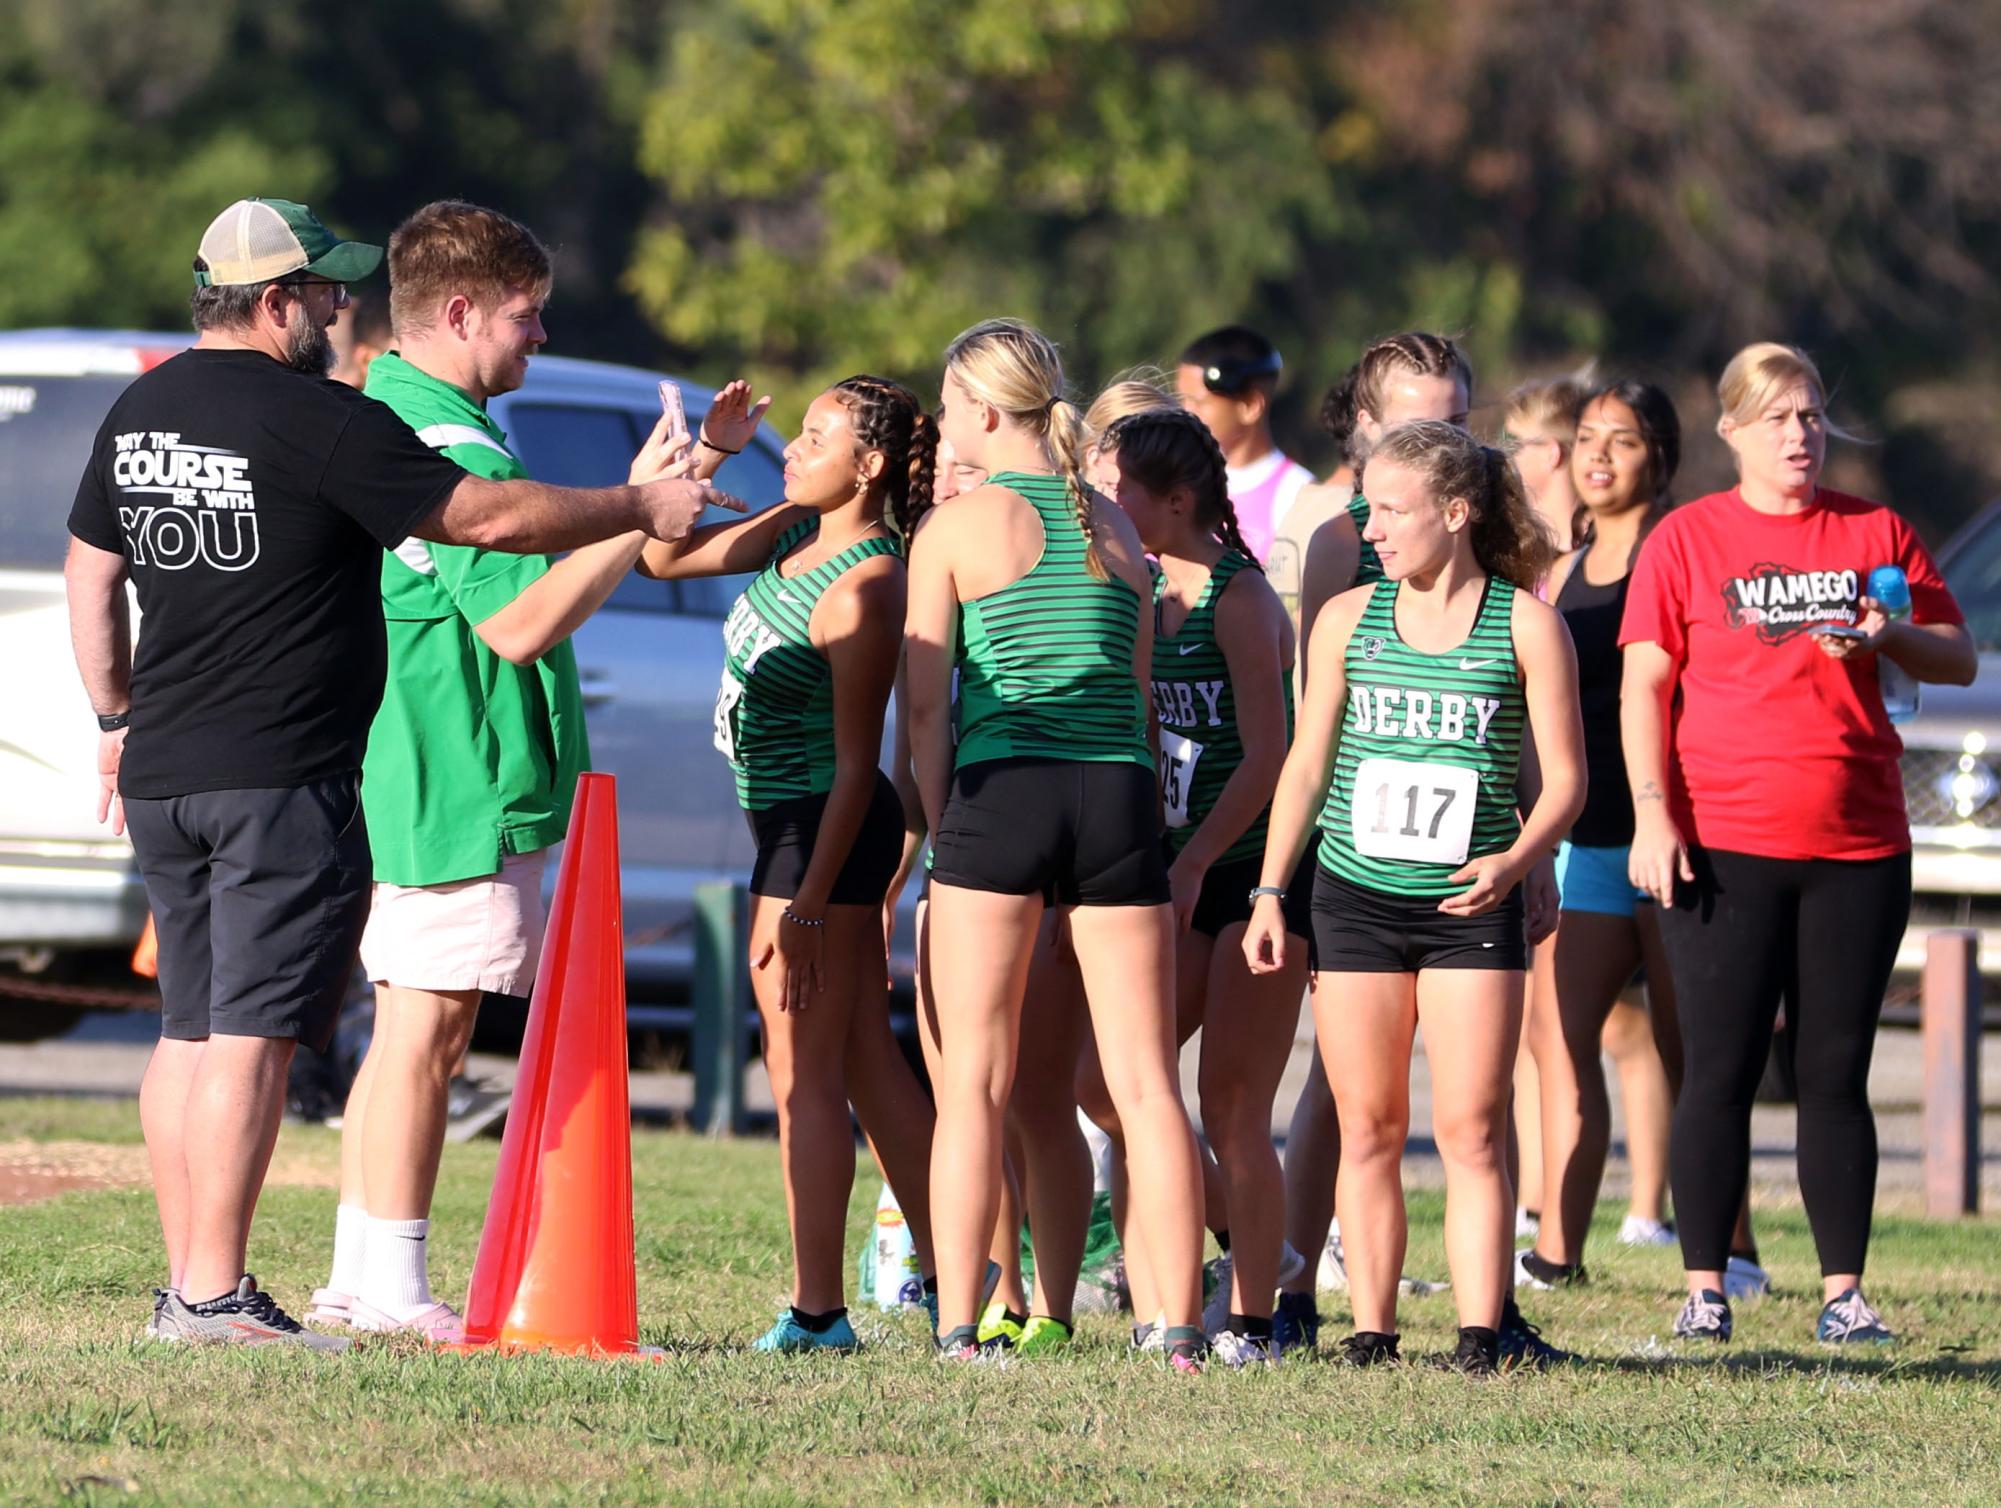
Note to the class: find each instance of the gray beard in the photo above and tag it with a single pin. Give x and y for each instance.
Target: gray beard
(309, 349)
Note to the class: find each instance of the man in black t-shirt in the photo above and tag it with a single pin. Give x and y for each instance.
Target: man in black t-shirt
(248, 498)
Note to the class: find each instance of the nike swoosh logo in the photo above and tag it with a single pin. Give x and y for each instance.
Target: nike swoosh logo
(1186, 649)
(788, 597)
(1477, 664)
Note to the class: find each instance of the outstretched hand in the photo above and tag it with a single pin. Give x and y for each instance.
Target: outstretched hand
(732, 420)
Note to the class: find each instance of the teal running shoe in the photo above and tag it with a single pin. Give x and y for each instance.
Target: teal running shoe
(787, 1334)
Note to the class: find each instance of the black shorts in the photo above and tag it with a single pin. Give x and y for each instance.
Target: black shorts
(1079, 833)
(1226, 897)
(786, 832)
(1361, 931)
(259, 898)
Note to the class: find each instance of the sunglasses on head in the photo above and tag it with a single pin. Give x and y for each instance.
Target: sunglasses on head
(1231, 377)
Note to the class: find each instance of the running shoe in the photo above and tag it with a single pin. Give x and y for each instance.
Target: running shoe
(1522, 1347)
(1186, 1346)
(1043, 1335)
(1295, 1323)
(1369, 1348)
(1152, 1335)
(435, 1324)
(159, 1303)
(330, 1307)
(1706, 1316)
(1333, 1271)
(1534, 1270)
(1745, 1279)
(1000, 1328)
(1638, 1230)
(963, 1345)
(1848, 1319)
(1478, 1353)
(1240, 1351)
(788, 1335)
(247, 1317)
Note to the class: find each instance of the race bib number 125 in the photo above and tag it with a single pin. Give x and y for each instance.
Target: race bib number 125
(1177, 775)
(1422, 813)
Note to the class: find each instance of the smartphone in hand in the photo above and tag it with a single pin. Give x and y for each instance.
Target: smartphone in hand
(672, 406)
(1837, 631)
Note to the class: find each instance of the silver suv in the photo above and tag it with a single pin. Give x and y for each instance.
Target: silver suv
(71, 904)
(1952, 775)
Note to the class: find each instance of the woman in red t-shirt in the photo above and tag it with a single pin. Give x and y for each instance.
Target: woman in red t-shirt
(1769, 814)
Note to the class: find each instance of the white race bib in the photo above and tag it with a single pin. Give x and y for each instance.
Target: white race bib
(727, 697)
(1177, 775)
(1422, 813)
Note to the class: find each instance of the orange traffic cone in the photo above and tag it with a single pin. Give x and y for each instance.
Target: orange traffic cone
(555, 1266)
(146, 956)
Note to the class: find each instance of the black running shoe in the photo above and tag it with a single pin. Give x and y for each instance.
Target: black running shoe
(1478, 1353)
(1369, 1348)
(1295, 1324)
(1522, 1344)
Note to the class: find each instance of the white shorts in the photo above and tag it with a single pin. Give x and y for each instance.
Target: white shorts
(479, 934)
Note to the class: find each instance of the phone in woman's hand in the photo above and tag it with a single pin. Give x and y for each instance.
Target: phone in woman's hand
(672, 406)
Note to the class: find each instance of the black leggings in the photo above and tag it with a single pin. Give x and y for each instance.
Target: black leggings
(1821, 935)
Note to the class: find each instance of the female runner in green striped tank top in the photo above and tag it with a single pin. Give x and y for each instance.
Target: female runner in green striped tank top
(812, 648)
(1033, 585)
(1408, 748)
(1321, 546)
(1222, 695)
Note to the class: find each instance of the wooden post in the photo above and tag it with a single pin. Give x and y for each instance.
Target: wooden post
(1950, 1020)
(722, 1001)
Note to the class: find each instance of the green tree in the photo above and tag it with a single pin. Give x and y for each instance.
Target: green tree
(853, 181)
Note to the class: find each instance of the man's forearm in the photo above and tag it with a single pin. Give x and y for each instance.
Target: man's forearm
(526, 517)
(101, 634)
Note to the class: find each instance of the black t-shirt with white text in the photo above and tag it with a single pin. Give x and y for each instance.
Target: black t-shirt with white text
(252, 504)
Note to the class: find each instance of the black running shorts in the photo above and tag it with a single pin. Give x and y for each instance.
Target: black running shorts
(786, 832)
(259, 898)
(1079, 832)
(1226, 897)
(1361, 931)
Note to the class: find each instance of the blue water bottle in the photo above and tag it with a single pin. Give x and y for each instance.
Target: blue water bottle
(1887, 584)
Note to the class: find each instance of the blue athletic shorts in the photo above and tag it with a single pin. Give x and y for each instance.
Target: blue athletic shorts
(1594, 879)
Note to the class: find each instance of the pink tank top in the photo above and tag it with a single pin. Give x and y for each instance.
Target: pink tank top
(1260, 493)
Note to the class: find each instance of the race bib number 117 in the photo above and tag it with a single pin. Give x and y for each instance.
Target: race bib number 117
(1420, 813)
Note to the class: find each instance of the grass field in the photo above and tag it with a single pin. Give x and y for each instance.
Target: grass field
(92, 1412)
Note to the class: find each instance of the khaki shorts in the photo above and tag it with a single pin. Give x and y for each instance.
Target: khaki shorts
(480, 934)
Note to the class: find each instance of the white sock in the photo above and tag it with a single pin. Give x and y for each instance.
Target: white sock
(395, 1277)
(350, 1226)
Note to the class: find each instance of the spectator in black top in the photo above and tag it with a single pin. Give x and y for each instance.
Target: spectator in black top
(249, 499)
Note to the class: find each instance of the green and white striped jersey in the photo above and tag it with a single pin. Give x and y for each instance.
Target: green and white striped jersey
(1424, 777)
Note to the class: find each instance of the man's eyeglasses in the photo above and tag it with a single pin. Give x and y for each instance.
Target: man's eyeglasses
(340, 294)
(1232, 377)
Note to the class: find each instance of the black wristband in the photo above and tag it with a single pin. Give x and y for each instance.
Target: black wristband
(705, 440)
(111, 722)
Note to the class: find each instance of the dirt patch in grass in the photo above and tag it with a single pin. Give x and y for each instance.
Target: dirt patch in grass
(32, 1170)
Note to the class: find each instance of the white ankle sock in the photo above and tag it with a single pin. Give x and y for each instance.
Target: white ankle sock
(350, 1224)
(395, 1277)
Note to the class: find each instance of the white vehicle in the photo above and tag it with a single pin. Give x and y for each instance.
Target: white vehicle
(71, 904)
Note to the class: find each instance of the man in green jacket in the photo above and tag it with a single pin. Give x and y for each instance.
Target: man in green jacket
(473, 759)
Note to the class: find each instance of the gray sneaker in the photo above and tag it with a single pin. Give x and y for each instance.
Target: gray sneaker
(160, 1296)
(247, 1317)
(1848, 1318)
(1706, 1316)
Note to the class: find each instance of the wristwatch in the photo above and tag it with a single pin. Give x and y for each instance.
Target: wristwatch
(111, 722)
(1258, 890)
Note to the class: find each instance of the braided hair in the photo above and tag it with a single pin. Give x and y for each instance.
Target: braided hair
(1165, 448)
(1417, 352)
(887, 416)
(1014, 366)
